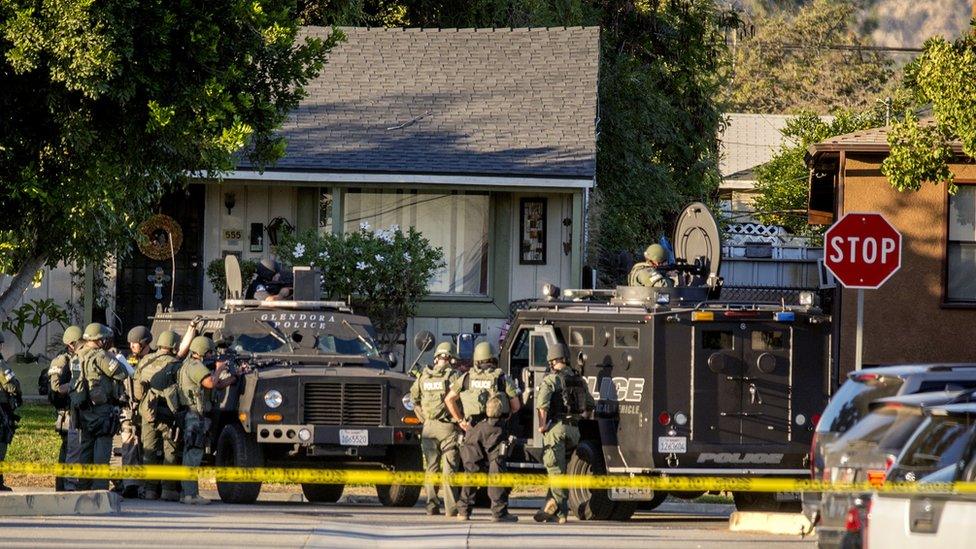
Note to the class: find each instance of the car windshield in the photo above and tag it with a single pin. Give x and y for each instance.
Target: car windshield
(939, 442)
(879, 424)
(850, 403)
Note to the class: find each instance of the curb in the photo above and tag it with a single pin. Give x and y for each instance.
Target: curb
(93, 502)
(787, 524)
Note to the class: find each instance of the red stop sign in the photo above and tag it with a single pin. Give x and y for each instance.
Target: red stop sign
(862, 250)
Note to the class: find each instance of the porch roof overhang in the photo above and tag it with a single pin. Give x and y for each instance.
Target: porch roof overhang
(412, 179)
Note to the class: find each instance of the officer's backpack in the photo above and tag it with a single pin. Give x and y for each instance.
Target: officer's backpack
(574, 392)
(484, 394)
(163, 394)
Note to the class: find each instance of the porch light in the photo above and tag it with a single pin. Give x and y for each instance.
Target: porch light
(806, 299)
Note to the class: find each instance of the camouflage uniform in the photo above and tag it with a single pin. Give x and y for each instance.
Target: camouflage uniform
(10, 400)
(197, 401)
(94, 400)
(157, 417)
(438, 441)
(65, 367)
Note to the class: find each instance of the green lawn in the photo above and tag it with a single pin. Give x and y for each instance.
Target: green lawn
(35, 440)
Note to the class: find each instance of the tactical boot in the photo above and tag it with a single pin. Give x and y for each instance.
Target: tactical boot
(547, 513)
(170, 495)
(150, 495)
(463, 516)
(194, 500)
(507, 517)
(130, 492)
(433, 510)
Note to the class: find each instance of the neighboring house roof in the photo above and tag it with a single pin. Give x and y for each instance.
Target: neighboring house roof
(874, 140)
(511, 102)
(749, 140)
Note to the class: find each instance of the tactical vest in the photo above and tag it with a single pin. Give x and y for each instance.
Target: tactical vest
(59, 373)
(657, 278)
(92, 386)
(480, 386)
(157, 388)
(434, 385)
(192, 395)
(10, 395)
(569, 397)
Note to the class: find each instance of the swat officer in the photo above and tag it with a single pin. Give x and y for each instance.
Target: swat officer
(157, 393)
(63, 368)
(94, 402)
(438, 440)
(648, 272)
(488, 398)
(10, 399)
(563, 398)
(139, 339)
(196, 383)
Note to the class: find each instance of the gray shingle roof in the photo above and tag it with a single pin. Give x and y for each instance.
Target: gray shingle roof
(445, 101)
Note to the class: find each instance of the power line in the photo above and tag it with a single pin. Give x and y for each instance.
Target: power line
(838, 47)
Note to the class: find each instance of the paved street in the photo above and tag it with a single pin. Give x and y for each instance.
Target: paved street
(276, 522)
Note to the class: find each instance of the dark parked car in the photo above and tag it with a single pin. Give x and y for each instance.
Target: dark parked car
(851, 402)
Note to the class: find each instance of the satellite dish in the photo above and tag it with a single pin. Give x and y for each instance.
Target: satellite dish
(232, 273)
(698, 242)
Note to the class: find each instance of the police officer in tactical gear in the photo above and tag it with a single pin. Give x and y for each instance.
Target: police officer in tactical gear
(648, 272)
(196, 383)
(94, 400)
(10, 399)
(488, 398)
(139, 339)
(156, 391)
(438, 441)
(562, 399)
(63, 368)
(270, 283)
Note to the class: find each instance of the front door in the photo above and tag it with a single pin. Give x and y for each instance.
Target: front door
(145, 282)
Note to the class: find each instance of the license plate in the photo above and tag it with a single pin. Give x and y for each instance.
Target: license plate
(631, 494)
(354, 437)
(672, 445)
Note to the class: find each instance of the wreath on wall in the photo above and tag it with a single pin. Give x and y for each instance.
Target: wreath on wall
(155, 245)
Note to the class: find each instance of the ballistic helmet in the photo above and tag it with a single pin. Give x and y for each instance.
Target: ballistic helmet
(96, 331)
(556, 351)
(483, 352)
(202, 345)
(139, 334)
(445, 348)
(655, 253)
(71, 335)
(167, 340)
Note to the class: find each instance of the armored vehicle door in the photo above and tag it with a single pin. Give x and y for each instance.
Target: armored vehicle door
(742, 383)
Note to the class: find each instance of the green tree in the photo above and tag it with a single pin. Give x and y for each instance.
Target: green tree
(783, 182)
(785, 67)
(104, 106)
(944, 76)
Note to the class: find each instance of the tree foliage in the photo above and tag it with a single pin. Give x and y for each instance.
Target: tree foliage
(385, 273)
(921, 150)
(104, 106)
(785, 67)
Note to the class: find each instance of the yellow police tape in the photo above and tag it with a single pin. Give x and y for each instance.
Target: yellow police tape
(384, 477)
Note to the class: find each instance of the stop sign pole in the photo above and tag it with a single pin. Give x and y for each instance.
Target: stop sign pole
(862, 250)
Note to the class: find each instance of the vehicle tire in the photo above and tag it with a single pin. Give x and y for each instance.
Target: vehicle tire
(322, 493)
(653, 504)
(623, 510)
(695, 494)
(235, 448)
(755, 501)
(399, 495)
(588, 504)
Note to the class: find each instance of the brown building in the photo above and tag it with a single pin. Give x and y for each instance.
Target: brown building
(926, 312)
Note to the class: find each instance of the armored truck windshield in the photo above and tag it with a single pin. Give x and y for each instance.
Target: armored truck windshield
(326, 332)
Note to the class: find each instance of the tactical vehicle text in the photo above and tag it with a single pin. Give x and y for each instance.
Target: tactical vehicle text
(685, 384)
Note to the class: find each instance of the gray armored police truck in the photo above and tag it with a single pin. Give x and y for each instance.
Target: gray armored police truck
(685, 383)
(315, 391)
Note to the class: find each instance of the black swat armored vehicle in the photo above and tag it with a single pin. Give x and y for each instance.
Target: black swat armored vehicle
(685, 383)
(316, 392)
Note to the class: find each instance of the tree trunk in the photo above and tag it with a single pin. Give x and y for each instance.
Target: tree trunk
(19, 284)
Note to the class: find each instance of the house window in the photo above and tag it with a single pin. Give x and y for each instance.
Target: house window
(325, 211)
(457, 222)
(961, 252)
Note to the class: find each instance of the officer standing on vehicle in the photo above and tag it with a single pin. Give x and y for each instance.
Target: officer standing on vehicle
(648, 272)
(156, 390)
(139, 339)
(563, 398)
(63, 368)
(10, 399)
(196, 383)
(94, 402)
(489, 397)
(438, 441)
